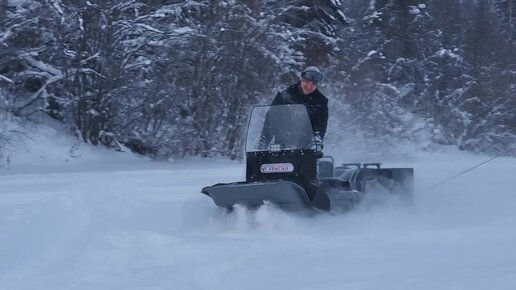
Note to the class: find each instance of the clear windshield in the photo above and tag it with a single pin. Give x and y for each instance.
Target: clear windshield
(282, 127)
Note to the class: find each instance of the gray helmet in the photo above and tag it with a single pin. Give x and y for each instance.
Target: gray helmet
(312, 74)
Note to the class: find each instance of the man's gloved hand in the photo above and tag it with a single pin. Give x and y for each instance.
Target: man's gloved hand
(318, 144)
(262, 144)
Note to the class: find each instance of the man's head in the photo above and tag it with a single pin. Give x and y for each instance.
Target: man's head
(310, 78)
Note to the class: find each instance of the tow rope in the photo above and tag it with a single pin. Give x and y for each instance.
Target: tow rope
(469, 169)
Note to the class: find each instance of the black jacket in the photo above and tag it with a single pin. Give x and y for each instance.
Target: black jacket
(316, 105)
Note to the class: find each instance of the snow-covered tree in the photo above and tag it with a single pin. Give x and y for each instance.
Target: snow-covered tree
(176, 78)
(489, 96)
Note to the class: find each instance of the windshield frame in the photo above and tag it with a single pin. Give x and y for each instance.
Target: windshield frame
(290, 122)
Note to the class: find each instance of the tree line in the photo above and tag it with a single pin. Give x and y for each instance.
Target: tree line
(177, 78)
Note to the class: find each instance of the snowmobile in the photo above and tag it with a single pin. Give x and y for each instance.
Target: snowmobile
(290, 171)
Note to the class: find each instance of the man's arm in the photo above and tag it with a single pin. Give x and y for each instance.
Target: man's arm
(279, 99)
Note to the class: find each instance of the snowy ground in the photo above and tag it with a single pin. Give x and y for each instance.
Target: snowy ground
(99, 220)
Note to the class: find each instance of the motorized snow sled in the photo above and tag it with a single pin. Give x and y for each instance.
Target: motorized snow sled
(289, 171)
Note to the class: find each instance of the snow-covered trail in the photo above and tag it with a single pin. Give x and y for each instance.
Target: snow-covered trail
(148, 227)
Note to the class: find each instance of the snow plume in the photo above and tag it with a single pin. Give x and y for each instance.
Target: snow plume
(203, 217)
(267, 219)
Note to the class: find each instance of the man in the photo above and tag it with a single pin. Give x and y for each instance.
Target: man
(305, 92)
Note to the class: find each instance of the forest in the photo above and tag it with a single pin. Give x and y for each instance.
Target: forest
(178, 78)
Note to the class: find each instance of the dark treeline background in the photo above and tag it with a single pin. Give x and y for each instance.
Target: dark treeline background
(177, 78)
